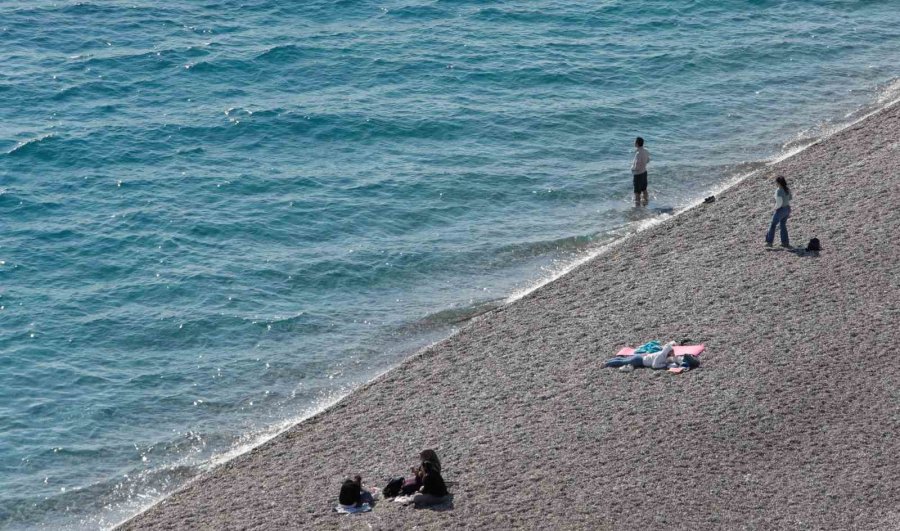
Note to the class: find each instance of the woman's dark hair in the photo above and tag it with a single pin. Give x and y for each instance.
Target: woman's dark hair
(430, 456)
(783, 184)
(639, 141)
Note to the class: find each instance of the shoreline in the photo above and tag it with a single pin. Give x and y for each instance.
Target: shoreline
(483, 331)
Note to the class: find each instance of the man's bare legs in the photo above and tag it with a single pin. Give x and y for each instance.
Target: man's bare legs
(645, 200)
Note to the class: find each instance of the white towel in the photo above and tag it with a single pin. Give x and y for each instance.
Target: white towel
(353, 509)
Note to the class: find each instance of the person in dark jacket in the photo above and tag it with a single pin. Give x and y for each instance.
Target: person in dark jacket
(434, 490)
(353, 494)
(412, 484)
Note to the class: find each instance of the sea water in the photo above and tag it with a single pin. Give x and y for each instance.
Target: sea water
(217, 217)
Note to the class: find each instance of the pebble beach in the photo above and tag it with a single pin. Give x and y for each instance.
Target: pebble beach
(790, 423)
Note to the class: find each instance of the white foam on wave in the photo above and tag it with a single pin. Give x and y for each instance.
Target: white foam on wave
(25, 143)
(885, 97)
(143, 501)
(890, 94)
(567, 267)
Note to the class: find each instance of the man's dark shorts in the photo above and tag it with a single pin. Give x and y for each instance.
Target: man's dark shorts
(640, 183)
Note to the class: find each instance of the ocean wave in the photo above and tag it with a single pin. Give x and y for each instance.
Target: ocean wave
(504, 15)
(29, 12)
(518, 251)
(418, 12)
(196, 150)
(121, 495)
(183, 458)
(219, 65)
(142, 61)
(288, 52)
(532, 77)
(455, 316)
(258, 125)
(23, 148)
(90, 89)
(90, 8)
(889, 92)
(302, 322)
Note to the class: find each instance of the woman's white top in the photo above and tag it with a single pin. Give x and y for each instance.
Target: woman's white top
(658, 360)
(782, 198)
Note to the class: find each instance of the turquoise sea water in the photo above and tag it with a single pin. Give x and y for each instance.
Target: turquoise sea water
(219, 216)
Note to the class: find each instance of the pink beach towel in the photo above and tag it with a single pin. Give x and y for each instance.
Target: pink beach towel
(680, 350)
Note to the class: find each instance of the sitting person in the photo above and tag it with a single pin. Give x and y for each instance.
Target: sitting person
(414, 483)
(427, 486)
(434, 490)
(654, 360)
(354, 495)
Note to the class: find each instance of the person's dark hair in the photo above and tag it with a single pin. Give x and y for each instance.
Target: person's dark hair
(430, 456)
(782, 182)
(639, 141)
(690, 361)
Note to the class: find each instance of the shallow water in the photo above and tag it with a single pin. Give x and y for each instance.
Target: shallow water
(216, 218)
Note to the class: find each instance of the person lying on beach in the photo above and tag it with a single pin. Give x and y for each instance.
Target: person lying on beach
(663, 359)
(654, 360)
(354, 495)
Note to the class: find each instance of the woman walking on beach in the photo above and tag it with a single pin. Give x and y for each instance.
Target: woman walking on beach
(782, 212)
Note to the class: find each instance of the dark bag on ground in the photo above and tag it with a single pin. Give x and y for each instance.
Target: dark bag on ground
(392, 489)
(814, 245)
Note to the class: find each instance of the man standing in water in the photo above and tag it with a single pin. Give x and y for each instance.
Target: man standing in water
(639, 173)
